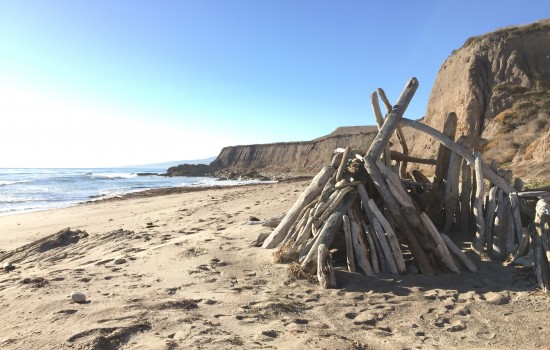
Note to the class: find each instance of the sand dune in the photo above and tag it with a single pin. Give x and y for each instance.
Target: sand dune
(177, 272)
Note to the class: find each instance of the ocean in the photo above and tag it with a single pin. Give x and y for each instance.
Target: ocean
(26, 190)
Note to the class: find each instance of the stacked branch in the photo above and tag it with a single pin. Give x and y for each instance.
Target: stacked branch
(361, 207)
(368, 210)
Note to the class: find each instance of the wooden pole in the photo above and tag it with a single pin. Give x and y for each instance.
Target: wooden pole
(436, 195)
(478, 207)
(392, 120)
(447, 142)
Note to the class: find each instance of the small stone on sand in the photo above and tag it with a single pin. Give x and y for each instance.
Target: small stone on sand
(8, 266)
(78, 297)
(119, 261)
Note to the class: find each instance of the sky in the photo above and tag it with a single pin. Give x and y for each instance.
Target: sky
(111, 83)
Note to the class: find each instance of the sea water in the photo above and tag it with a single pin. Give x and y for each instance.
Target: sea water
(25, 190)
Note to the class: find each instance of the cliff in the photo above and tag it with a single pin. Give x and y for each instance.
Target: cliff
(291, 158)
(498, 84)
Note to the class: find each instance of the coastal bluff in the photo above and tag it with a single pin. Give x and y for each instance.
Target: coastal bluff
(282, 159)
(498, 84)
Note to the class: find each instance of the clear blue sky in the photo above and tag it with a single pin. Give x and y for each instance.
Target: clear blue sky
(106, 83)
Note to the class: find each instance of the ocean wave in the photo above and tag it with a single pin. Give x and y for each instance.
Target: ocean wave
(112, 176)
(14, 182)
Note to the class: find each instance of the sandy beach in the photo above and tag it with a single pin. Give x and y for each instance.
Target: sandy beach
(176, 271)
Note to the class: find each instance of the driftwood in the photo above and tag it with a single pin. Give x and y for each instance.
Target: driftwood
(478, 206)
(360, 247)
(447, 142)
(459, 253)
(451, 188)
(490, 219)
(392, 120)
(400, 157)
(465, 197)
(350, 257)
(313, 190)
(325, 268)
(436, 196)
(540, 246)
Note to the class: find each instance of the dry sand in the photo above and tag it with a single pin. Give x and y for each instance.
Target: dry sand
(189, 280)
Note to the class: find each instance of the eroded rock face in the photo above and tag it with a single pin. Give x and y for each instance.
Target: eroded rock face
(288, 158)
(489, 75)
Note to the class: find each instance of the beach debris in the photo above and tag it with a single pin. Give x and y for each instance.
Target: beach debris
(8, 266)
(78, 297)
(368, 209)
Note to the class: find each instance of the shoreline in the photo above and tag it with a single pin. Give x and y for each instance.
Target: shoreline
(176, 271)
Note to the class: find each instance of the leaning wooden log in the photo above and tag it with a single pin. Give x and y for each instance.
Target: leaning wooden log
(479, 241)
(400, 136)
(325, 269)
(501, 221)
(392, 239)
(451, 189)
(313, 190)
(523, 245)
(326, 235)
(360, 247)
(343, 163)
(370, 240)
(385, 250)
(490, 219)
(447, 142)
(436, 195)
(350, 256)
(395, 211)
(440, 245)
(332, 205)
(542, 219)
(516, 216)
(459, 254)
(392, 120)
(465, 197)
(380, 122)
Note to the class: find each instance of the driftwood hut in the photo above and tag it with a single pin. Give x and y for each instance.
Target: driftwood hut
(385, 219)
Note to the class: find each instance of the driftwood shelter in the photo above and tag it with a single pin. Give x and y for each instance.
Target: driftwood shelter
(386, 219)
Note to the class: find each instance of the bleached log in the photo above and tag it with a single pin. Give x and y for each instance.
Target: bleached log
(478, 205)
(523, 245)
(385, 249)
(398, 133)
(500, 227)
(383, 266)
(516, 216)
(542, 219)
(332, 205)
(436, 195)
(447, 142)
(350, 256)
(325, 269)
(343, 164)
(534, 194)
(392, 239)
(400, 157)
(510, 230)
(311, 192)
(360, 248)
(380, 122)
(490, 219)
(396, 213)
(396, 188)
(370, 240)
(326, 235)
(459, 253)
(392, 120)
(440, 245)
(451, 188)
(465, 197)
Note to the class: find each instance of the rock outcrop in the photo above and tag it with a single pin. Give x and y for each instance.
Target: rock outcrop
(498, 84)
